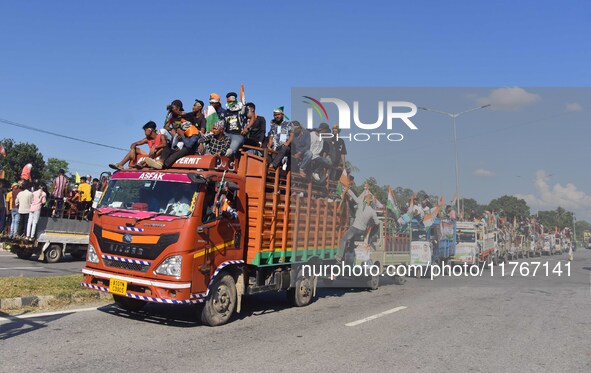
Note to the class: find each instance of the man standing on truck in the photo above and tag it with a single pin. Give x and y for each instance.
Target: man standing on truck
(363, 215)
(23, 203)
(235, 120)
(280, 138)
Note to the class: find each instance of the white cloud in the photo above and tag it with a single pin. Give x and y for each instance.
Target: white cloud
(509, 98)
(574, 107)
(481, 172)
(551, 196)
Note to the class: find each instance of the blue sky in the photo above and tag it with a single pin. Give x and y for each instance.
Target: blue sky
(101, 70)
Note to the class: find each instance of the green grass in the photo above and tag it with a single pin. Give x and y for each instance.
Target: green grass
(59, 286)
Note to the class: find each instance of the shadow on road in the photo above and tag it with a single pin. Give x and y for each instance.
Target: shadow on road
(18, 326)
(187, 316)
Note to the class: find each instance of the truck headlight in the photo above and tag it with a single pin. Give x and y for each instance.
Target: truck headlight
(171, 266)
(91, 256)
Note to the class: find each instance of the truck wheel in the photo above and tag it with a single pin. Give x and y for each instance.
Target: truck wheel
(129, 304)
(24, 254)
(53, 254)
(221, 301)
(301, 294)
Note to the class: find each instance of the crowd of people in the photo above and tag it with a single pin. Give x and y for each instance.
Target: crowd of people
(224, 131)
(27, 200)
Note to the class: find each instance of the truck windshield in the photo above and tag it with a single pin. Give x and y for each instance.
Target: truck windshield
(163, 197)
(466, 236)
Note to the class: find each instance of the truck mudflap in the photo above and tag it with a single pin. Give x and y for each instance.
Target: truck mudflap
(143, 289)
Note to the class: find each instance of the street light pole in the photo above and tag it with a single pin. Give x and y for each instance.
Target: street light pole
(454, 116)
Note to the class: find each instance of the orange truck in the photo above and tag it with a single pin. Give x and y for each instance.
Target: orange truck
(210, 231)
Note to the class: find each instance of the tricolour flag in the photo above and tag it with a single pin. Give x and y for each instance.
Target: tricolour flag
(343, 184)
(391, 203)
(242, 97)
(2, 150)
(211, 117)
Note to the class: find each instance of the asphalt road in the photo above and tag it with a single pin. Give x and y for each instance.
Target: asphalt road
(484, 324)
(12, 266)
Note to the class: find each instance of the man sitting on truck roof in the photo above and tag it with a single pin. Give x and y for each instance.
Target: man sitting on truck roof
(301, 153)
(216, 142)
(187, 136)
(156, 142)
(364, 214)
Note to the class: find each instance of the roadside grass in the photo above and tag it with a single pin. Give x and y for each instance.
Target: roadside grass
(58, 286)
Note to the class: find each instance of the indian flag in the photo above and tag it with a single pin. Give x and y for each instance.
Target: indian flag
(242, 97)
(343, 183)
(391, 203)
(429, 218)
(2, 150)
(211, 117)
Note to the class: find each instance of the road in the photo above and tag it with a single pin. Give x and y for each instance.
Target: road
(485, 324)
(12, 266)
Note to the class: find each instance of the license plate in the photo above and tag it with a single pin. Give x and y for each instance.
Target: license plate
(118, 287)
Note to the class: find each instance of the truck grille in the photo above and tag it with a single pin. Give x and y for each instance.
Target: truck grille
(129, 266)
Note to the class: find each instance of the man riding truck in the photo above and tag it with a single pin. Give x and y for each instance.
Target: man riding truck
(363, 215)
(156, 142)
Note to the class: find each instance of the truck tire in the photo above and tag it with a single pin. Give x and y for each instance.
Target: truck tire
(24, 254)
(54, 254)
(129, 304)
(301, 294)
(221, 302)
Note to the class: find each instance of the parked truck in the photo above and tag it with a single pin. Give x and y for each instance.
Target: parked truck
(163, 236)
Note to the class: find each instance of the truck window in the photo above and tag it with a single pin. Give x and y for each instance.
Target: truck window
(163, 197)
(466, 236)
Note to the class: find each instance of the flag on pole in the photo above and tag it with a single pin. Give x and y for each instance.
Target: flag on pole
(391, 203)
(411, 205)
(453, 200)
(211, 117)
(343, 184)
(2, 151)
(77, 178)
(242, 97)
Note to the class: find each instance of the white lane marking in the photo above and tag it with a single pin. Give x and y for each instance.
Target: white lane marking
(9, 268)
(44, 314)
(376, 316)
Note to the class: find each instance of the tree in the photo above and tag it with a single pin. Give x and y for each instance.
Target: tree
(582, 226)
(17, 156)
(52, 168)
(472, 208)
(512, 207)
(558, 218)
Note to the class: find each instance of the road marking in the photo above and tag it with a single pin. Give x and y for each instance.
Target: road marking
(9, 268)
(44, 314)
(376, 316)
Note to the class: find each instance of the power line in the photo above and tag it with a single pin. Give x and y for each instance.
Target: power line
(15, 124)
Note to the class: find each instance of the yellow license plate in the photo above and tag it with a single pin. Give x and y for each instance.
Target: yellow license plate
(118, 287)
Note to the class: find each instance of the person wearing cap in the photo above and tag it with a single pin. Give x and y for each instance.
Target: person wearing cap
(215, 142)
(254, 132)
(156, 143)
(186, 137)
(280, 138)
(11, 206)
(301, 154)
(235, 121)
